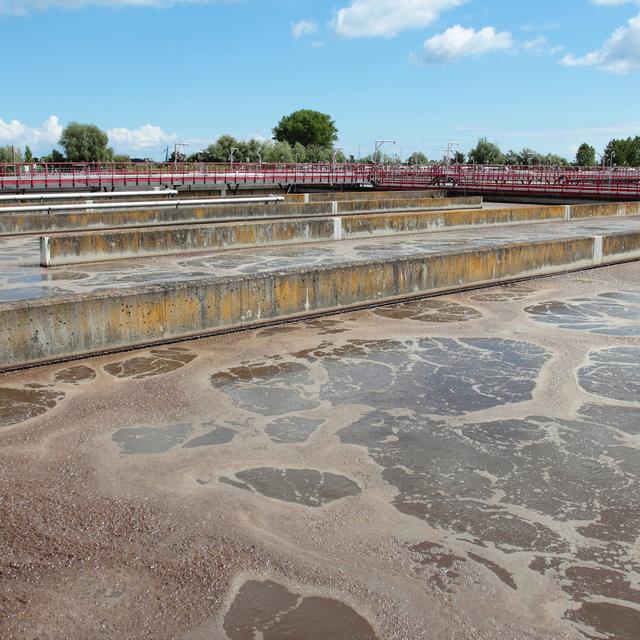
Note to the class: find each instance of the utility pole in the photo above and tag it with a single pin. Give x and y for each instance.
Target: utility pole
(233, 150)
(175, 151)
(379, 145)
(449, 149)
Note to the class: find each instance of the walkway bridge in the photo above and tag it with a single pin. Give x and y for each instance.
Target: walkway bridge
(606, 183)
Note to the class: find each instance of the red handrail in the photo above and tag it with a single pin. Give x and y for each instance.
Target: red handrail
(594, 182)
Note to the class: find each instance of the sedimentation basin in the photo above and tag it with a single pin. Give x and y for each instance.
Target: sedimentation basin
(366, 258)
(460, 467)
(438, 458)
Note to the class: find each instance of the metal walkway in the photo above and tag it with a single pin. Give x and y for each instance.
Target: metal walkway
(596, 183)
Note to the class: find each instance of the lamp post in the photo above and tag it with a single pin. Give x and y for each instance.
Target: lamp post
(233, 150)
(175, 151)
(449, 149)
(379, 144)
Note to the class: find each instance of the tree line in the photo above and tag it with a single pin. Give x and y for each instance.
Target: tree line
(618, 153)
(310, 136)
(302, 136)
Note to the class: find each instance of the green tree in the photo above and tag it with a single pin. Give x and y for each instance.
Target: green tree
(623, 152)
(54, 156)
(339, 156)
(28, 155)
(459, 158)
(299, 153)
(221, 150)
(254, 150)
(486, 152)
(9, 153)
(553, 160)
(279, 152)
(318, 153)
(586, 155)
(528, 157)
(85, 143)
(308, 128)
(633, 153)
(417, 159)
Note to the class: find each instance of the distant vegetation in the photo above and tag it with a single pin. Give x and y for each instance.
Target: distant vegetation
(310, 136)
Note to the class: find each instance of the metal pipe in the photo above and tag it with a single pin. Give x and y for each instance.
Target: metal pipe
(145, 204)
(97, 194)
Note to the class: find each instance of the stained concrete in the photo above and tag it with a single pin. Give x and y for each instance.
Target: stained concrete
(482, 476)
(77, 248)
(48, 315)
(26, 223)
(69, 249)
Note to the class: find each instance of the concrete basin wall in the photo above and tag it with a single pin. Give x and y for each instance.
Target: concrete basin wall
(77, 248)
(383, 195)
(601, 210)
(81, 324)
(27, 223)
(67, 249)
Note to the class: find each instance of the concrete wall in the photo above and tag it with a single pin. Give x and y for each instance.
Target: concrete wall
(25, 223)
(601, 210)
(371, 194)
(41, 331)
(66, 249)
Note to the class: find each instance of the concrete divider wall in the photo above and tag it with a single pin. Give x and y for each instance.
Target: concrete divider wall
(371, 195)
(602, 210)
(407, 204)
(66, 249)
(58, 222)
(82, 324)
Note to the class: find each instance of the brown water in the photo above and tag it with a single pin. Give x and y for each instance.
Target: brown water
(300, 486)
(465, 468)
(438, 310)
(613, 373)
(614, 313)
(269, 611)
(75, 375)
(158, 362)
(18, 405)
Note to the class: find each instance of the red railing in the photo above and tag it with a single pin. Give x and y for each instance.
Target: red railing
(99, 175)
(599, 182)
(589, 182)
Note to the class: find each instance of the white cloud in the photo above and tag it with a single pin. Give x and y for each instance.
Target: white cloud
(387, 18)
(22, 7)
(145, 137)
(619, 54)
(46, 135)
(537, 44)
(458, 42)
(303, 28)
(613, 3)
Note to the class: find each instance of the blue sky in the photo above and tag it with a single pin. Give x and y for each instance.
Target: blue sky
(547, 74)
